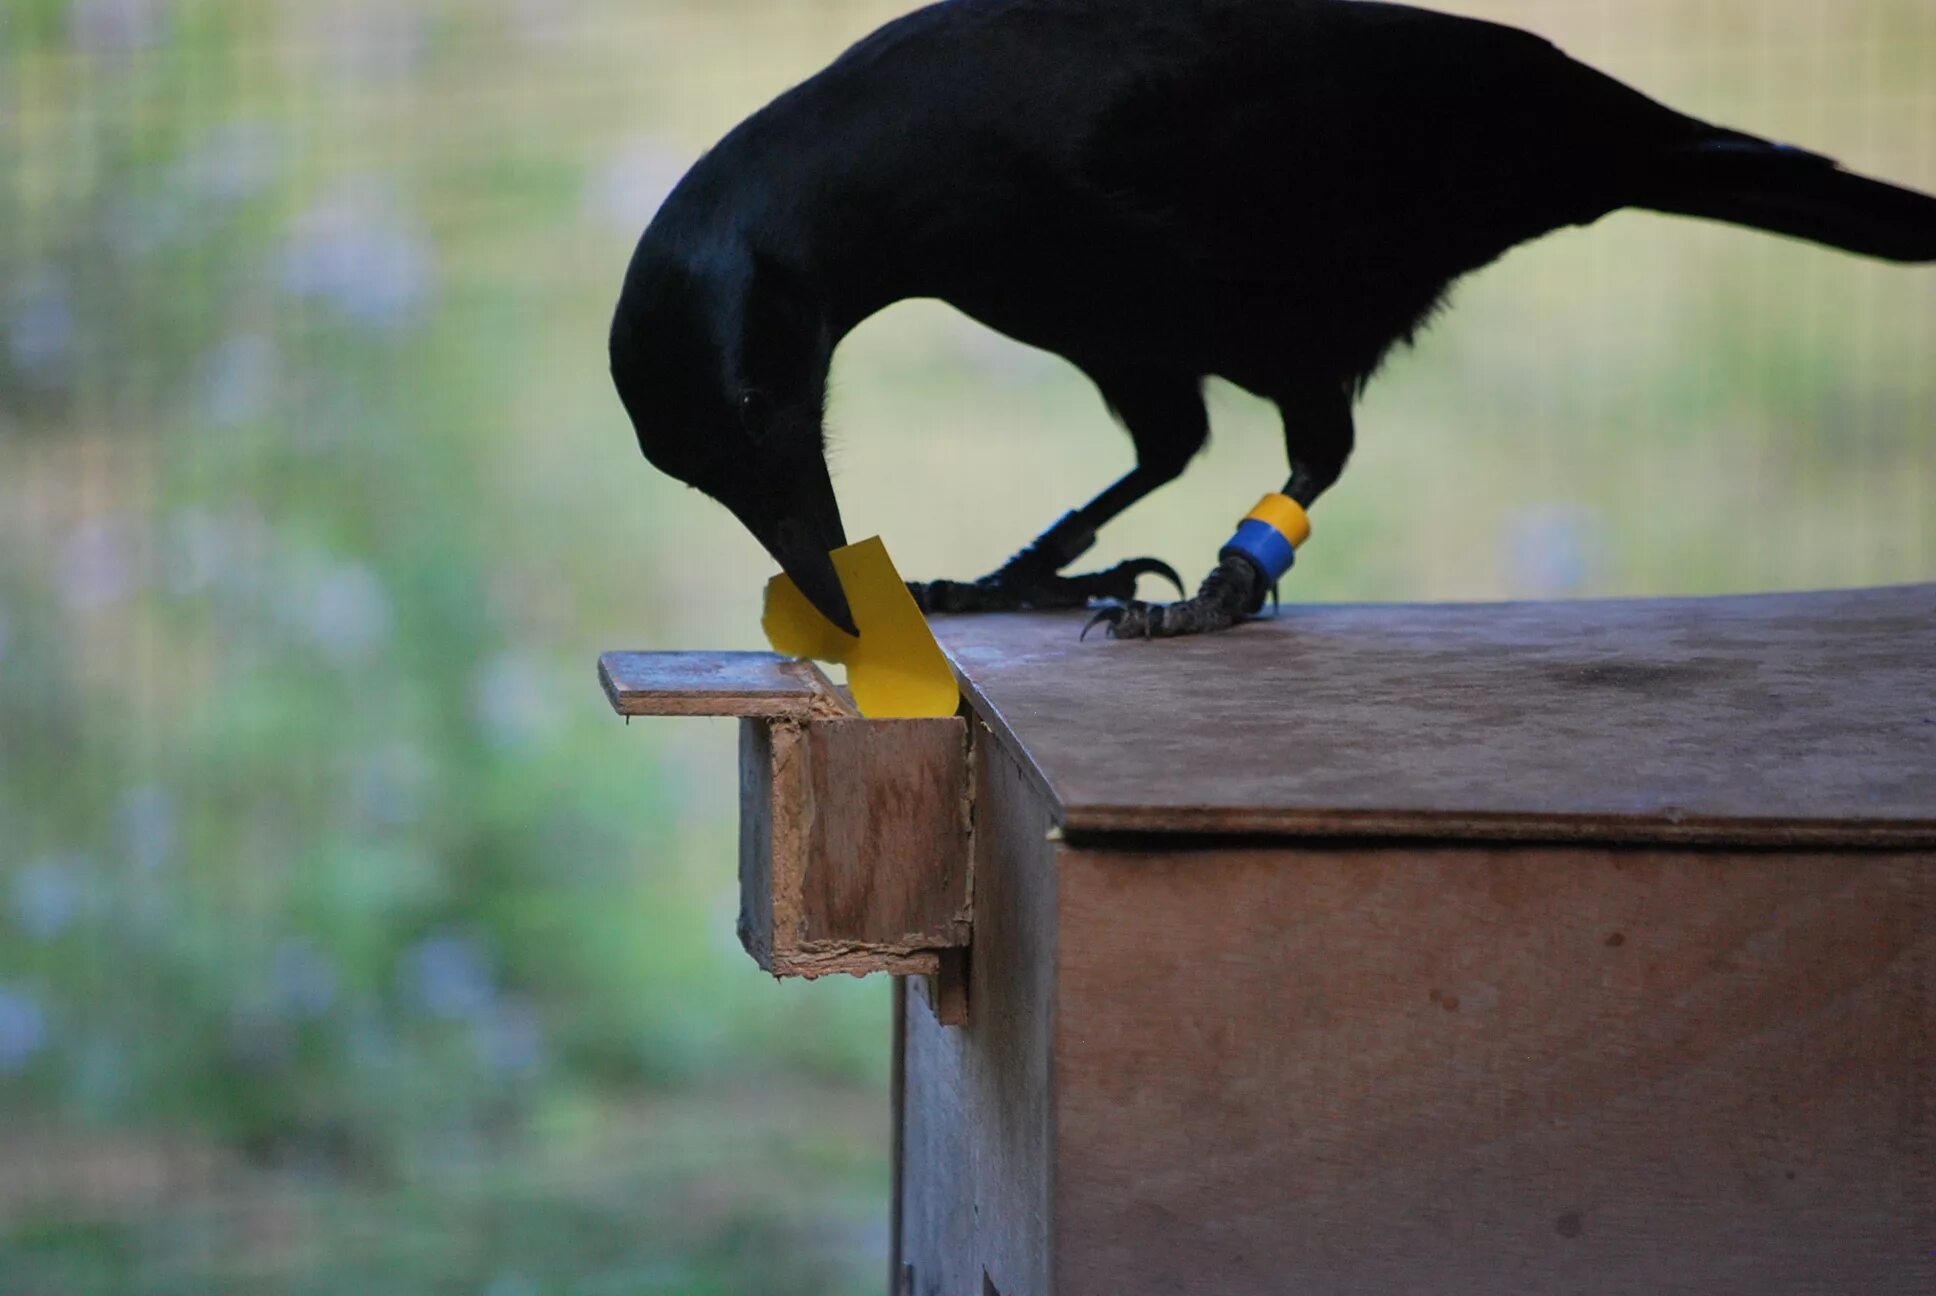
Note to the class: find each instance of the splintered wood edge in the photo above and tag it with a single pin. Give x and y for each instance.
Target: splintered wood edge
(816, 699)
(839, 960)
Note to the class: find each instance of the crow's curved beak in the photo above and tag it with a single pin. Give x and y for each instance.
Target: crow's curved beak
(800, 538)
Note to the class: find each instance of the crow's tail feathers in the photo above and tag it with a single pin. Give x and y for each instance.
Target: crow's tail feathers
(1746, 181)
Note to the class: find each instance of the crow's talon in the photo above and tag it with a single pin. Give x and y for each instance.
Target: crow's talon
(1022, 587)
(1227, 596)
(1119, 582)
(1140, 621)
(1112, 615)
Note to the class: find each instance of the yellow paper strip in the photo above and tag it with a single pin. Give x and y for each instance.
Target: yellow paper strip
(896, 670)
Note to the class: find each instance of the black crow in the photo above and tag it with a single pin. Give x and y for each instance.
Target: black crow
(1274, 192)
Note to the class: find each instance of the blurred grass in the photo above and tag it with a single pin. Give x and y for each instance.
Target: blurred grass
(346, 942)
(731, 1192)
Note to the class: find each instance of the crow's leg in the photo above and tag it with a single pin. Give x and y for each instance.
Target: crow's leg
(1319, 433)
(1032, 579)
(1166, 422)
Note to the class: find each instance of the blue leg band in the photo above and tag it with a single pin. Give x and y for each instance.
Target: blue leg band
(1264, 545)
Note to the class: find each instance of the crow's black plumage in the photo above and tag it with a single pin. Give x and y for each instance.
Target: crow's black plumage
(1275, 192)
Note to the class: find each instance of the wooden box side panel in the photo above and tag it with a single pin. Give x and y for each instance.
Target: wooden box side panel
(758, 797)
(976, 1145)
(853, 845)
(887, 847)
(1490, 1070)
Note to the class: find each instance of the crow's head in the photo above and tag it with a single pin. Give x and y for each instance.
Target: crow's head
(721, 358)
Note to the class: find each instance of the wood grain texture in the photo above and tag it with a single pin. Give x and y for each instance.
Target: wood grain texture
(1777, 719)
(949, 987)
(718, 684)
(887, 843)
(1472, 1071)
(945, 994)
(976, 1139)
(853, 845)
(770, 783)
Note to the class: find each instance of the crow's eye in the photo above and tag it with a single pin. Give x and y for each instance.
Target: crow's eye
(755, 411)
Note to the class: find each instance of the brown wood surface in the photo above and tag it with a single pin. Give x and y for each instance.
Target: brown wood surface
(1471, 1071)
(945, 994)
(887, 843)
(1806, 718)
(975, 1136)
(717, 684)
(853, 845)
(769, 780)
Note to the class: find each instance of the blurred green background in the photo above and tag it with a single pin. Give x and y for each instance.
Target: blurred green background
(347, 943)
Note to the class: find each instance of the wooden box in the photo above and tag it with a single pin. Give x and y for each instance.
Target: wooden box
(853, 853)
(1569, 948)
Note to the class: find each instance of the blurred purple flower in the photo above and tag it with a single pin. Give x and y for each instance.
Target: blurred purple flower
(305, 980)
(509, 1038)
(95, 571)
(40, 328)
(115, 26)
(343, 608)
(362, 255)
(628, 189)
(238, 379)
(47, 896)
(232, 162)
(147, 821)
(1551, 550)
(449, 976)
(23, 1029)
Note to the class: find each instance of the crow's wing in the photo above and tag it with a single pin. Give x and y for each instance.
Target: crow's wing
(1253, 141)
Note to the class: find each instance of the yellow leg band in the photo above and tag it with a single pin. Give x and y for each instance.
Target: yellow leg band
(1284, 515)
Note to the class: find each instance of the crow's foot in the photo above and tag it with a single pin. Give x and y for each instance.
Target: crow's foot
(1022, 586)
(1230, 594)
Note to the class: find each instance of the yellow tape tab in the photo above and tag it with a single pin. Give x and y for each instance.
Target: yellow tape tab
(896, 670)
(1286, 516)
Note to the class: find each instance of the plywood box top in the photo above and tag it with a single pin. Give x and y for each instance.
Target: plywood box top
(1777, 719)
